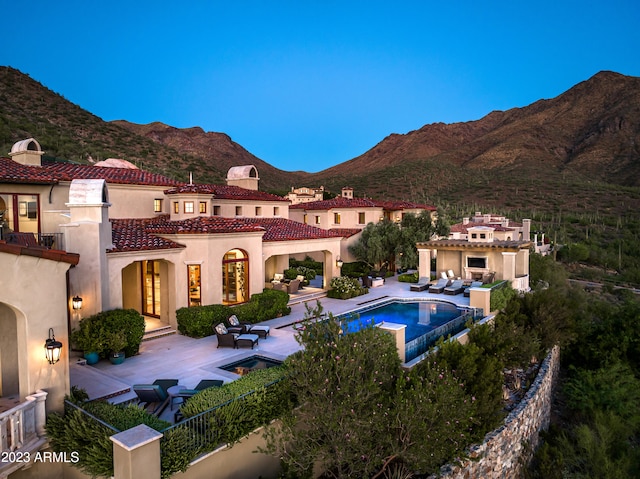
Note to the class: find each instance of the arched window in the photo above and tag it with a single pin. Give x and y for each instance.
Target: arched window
(235, 277)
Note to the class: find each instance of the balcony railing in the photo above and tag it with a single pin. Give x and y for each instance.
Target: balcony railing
(45, 240)
(520, 283)
(21, 431)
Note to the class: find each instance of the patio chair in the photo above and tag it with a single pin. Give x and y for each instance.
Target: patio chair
(450, 274)
(280, 286)
(225, 338)
(443, 275)
(456, 287)
(154, 397)
(293, 286)
(439, 286)
(421, 285)
(185, 394)
(247, 328)
(474, 284)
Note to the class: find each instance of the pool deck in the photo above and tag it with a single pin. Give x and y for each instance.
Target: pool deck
(190, 360)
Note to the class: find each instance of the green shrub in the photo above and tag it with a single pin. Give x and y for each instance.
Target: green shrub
(94, 331)
(501, 295)
(124, 417)
(356, 269)
(269, 304)
(198, 321)
(343, 287)
(307, 263)
(409, 277)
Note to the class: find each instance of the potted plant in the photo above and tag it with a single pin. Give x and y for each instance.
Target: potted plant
(115, 342)
(90, 340)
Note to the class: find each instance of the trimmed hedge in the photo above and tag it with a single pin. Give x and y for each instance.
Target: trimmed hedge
(409, 277)
(198, 321)
(239, 407)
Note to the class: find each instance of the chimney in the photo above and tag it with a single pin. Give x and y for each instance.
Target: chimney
(27, 152)
(526, 230)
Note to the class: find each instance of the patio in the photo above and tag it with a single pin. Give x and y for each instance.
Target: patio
(190, 360)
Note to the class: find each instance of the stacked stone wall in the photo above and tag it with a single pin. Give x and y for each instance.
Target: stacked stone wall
(508, 449)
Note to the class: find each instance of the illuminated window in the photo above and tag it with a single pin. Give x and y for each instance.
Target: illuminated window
(176, 207)
(157, 205)
(188, 206)
(304, 219)
(336, 218)
(317, 219)
(203, 207)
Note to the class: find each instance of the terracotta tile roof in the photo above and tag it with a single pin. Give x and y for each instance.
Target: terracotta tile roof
(341, 202)
(404, 205)
(202, 225)
(280, 229)
(39, 252)
(226, 192)
(464, 244)
(13, 172)
(132, 235)
(346, 232)
(338, 202)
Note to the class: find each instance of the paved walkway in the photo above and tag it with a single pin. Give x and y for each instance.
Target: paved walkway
(190, 360)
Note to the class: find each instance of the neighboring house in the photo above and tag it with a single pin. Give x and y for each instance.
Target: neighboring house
(305, 195)
(348, 216)
(151, 243)
(487, 247)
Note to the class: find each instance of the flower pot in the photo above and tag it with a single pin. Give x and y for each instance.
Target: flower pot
(117, 358)
(91, 357)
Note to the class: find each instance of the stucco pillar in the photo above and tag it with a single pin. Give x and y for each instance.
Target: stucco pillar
(480, 298)
(136, 453)
(424, 263)
(398, 331)
(40, 397)
(509, 265)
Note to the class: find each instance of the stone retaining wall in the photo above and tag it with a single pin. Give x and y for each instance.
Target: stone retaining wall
(506, 450)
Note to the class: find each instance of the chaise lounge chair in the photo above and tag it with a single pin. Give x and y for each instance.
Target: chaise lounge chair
(439, 286)
(474, 284)
(234, 340)
(421, 285)
(201, 386)
(154, 397)
(456, 287)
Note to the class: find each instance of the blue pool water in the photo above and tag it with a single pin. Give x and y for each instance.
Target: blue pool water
(425, 321)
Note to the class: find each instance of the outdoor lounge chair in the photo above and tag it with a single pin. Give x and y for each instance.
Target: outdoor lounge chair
(439, 286)
(154, 397)
(201, 386)
(280, 287)
(235, 326)
(293, 286)
(421, 285)
(225, 338)
(474, 284)
(456, 287)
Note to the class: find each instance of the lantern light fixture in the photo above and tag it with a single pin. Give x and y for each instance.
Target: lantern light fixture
(52, 348)
(339, 262)
(77, 302)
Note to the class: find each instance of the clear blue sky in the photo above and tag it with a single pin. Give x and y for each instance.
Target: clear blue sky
(307, 85)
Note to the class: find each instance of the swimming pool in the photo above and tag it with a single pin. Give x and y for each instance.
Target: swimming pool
(425, 321)
(251, 363)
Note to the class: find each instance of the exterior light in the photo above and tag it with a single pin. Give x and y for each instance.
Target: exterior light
(52, 348)
(77, 302)
(339, 262)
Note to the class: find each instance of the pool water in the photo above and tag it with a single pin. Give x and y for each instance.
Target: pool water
(249, 364)
(425, 322)
(420, 317)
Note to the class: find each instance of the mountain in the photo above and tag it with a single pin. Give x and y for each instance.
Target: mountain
(215, 149)
(578, 151)
(592, 129)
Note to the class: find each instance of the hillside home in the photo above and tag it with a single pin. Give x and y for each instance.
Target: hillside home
(486, 248)
(151, 243)
(305, 195)
(348, 216)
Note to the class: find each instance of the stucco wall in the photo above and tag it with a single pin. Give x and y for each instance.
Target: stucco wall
(507, 449)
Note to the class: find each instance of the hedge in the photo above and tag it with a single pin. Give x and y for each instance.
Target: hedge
(97, 328)
(408, 277)
(198, 321)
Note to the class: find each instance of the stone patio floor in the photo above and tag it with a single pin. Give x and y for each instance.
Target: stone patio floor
(190, 360)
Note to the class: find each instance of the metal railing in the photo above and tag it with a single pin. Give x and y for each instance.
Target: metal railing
(46, 240)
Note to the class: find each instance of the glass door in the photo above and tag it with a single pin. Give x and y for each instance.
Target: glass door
(151, 288)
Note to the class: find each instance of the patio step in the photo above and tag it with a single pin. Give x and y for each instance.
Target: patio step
(303, 298)
(158, 333)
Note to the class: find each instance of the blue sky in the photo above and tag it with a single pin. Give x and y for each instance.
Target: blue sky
(308, 85)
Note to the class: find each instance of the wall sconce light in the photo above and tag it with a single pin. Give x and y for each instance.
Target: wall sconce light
(52, 348)
(76, 302)
(339, 262)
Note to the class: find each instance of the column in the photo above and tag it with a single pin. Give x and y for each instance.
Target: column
(136, 453)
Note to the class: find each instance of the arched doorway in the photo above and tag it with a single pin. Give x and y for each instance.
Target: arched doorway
(235, 277)
(10, 372)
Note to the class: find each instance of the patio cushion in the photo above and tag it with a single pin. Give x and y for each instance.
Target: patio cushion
(221, 329)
